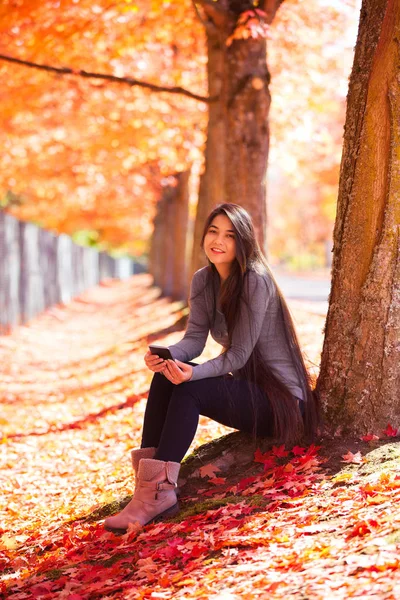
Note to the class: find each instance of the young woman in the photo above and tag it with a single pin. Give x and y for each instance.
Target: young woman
(258, 384)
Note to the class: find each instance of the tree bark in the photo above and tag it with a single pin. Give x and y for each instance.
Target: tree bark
(156, 255)
(212, 181)
(181, 219)
(168, 247)
(167, 257)
(359, 380)
(237, 144)
(247, 139)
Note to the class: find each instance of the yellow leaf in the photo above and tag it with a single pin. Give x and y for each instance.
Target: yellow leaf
(186, 582)
(379, 499)
(342, 477)
(8, 543)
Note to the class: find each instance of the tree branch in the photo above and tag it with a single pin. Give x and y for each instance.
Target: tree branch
(271, 7)
(194, 2)
(218, 14)
(127, 80)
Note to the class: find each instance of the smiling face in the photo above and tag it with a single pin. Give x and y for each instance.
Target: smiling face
(220, 244)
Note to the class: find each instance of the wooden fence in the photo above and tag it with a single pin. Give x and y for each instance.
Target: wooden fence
(39, 269)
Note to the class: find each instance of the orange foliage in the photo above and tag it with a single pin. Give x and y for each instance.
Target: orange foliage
(87, 154)
(90, 154)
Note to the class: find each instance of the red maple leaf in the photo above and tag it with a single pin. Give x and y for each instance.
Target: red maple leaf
(269, 464)
(390, 431)
(245, 482)
(280, 451)
(313, 450)
(197, 550)
(307, 462)
(259, 456)
(298, 450)
(217, 480)
(369, 437)
(362, 528)
(266, 459)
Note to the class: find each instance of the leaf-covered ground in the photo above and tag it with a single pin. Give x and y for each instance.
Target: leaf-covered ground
(259, 521)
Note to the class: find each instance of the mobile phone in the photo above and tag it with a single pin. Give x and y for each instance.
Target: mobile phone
(161, 351)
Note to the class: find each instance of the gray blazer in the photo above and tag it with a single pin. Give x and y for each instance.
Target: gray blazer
(261, 326)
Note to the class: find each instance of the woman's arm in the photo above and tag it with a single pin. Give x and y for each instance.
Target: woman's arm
(257, 294)
(194, 340)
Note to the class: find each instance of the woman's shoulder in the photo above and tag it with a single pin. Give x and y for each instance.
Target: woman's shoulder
(201, 274)
(200, 277)
(200, 280)
(259, 278)
(256, 279)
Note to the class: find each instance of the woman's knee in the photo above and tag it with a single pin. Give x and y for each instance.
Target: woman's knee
(159, 380)
(160, 387)
(185, 393)
(158, 377)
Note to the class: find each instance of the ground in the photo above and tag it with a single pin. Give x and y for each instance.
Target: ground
(257, 520)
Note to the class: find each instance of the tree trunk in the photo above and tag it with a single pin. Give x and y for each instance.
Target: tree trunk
(168, 247)
(156, 254)
(181, 218)
(359, 380)
(212, 181)
(247, 141)
(167, 257)
(237, 144)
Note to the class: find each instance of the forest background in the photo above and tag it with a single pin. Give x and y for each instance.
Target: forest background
(90, 157)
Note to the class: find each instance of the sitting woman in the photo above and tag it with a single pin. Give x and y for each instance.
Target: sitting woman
(258, 384)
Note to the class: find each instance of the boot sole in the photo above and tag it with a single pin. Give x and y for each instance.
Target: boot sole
(173, 510)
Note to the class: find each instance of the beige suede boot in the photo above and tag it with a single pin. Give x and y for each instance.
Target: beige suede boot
(154, 496)
(138, 454)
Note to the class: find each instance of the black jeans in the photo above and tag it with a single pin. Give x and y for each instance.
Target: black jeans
(172, 411)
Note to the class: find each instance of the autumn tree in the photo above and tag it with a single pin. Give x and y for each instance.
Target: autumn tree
(115, 110)
(236, 151)
(94, 114)
(93, 125)
(360, 371)
(238, 136)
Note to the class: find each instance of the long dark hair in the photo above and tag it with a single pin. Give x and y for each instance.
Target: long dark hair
(289, 426)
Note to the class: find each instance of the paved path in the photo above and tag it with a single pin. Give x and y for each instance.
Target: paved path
(310, 290)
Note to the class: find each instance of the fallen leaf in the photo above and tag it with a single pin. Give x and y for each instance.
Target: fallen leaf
(361, 528)
(208, 470)
(342, 477)
(378, 499)
(298, 450)
(369, 437)
(279, 451)
(217, 480)
(353, 458)
(244, 483)
(390, 431)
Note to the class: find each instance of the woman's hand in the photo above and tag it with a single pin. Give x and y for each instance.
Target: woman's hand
(177, 372)
(154, 362)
